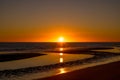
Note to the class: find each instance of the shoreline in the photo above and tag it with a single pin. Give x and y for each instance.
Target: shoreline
(110, 71)
(18, 56)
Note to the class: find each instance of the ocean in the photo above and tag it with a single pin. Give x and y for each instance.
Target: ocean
(32, 60)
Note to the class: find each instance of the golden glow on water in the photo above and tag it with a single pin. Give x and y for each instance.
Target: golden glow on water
(61, 60)
(62, 70)
(61, 54)
(61, 49)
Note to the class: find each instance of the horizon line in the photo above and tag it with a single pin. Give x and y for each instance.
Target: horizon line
(59, 42)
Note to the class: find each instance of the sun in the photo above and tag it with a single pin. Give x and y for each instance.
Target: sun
(61, 39)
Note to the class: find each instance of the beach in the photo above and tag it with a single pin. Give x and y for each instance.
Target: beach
(109, 71)
(40, 61)
(17, 56)
(59, 39)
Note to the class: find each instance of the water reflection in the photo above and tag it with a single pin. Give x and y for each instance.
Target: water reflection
(50, 58)
(61, 49)
(62, 70)
(61, 60)
(61, 55)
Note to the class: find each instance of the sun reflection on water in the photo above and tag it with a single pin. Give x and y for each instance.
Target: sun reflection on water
(62, 70)
(61, 54)
(61, 60)
(61, 49)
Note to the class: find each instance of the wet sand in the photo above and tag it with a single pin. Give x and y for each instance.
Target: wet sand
(109, 71)
(17, 56)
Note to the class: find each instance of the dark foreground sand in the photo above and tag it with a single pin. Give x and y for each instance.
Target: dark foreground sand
(109, 71)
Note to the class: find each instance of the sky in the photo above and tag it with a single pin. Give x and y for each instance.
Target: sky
(47, 20)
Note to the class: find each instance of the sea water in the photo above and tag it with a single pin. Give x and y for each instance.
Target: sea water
(53, 63)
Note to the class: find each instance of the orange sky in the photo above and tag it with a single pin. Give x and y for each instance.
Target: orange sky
(47, 20)
(52, 35)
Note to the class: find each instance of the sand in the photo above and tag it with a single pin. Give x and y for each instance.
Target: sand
(109, 71)
(17, 56)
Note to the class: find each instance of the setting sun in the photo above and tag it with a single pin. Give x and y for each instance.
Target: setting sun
(61, 39)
